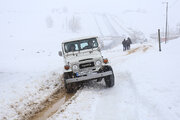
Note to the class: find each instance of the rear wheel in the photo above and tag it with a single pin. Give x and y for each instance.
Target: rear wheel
(109, 80)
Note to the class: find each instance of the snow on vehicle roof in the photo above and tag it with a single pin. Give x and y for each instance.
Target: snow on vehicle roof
(77, 39)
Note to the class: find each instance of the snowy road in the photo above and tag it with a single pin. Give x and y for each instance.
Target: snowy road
(124, 100)
(147, 82)
(119, 102)
(137, 94)
(140, 92)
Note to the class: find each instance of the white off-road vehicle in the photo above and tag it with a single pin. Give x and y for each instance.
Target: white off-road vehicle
(84, 62)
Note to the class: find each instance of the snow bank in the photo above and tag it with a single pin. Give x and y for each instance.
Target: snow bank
(22, 94)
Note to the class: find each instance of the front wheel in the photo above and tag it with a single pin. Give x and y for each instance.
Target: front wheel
(109, 80)
(70, 87)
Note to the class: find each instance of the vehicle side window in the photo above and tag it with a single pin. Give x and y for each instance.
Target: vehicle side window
(66, 48)
(95, 44)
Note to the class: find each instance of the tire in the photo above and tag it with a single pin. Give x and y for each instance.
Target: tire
(68, 86)
(109, 80)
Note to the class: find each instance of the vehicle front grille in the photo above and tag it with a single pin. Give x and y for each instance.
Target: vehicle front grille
(86, 65)
(85, 59)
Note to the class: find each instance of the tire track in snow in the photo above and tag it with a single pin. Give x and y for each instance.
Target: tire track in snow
(114, 18)
(126, 99)
(143, 107)
(119, 102)
(99, 28)
(53, 104)
(112, 30)
(58, 100)
(147, 109)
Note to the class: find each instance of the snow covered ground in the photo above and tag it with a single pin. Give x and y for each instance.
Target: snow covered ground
(147, 87)
(147, 81)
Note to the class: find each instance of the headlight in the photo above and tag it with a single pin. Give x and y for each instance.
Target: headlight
(75, 67)
(98, 63)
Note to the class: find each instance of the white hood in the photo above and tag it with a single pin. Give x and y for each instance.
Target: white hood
(74, 58)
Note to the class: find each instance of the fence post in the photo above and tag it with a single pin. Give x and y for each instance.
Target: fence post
(159, 39)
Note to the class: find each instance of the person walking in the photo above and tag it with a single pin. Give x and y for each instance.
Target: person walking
(128, 42)
(124, 45)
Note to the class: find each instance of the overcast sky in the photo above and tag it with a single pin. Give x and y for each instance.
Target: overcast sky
(154, 8)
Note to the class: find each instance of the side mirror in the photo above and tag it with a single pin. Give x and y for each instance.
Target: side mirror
(60, 53)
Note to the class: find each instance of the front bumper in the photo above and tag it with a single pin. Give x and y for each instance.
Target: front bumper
(89, 77)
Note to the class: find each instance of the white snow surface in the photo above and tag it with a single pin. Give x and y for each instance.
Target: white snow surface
(146, 87)
(147, 82)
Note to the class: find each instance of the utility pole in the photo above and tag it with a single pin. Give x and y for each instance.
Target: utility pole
(159, 39)
(166, 21)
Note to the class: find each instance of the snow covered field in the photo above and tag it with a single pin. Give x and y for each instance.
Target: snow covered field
(147, 82)
(147, 87)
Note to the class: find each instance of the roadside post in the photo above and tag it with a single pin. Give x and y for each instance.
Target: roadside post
(159, 39)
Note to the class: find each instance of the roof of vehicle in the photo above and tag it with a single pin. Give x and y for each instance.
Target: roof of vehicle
(81, 38)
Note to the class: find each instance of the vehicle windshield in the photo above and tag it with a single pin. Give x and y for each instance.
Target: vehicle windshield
(80, 45)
